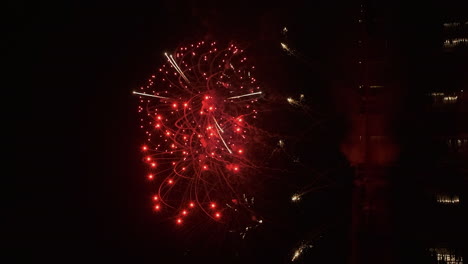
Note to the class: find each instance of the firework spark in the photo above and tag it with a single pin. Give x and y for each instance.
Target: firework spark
(294, 102)
(198, 113)
(300, 250)
(296, 197)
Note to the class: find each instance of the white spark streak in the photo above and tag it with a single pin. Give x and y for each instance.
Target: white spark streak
(151, 95)
(174, 63)
(244, 95)
(216, 122)
(221, 137)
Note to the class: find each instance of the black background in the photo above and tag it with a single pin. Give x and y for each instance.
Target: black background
(83, 197)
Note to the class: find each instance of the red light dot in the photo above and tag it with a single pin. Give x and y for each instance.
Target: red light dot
(179, 221)
(157, 207)
(157, 126)
(185, 105)
(192, 205)
(150, 176)
(212, 205)
(155, 198)
(205, 167)
(218, 215)
(170, 181)
(144, 148)
(207, 97)
(240, 151)
(211, 108)
(174, 105)
(184, 212)
(238, 129)
(159, 117)
(236, 168)
(153, 164)
(148, 158)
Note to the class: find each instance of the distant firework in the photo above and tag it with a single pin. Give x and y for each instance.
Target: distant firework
(199, 113)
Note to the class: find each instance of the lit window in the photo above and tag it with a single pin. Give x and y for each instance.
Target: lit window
(457, 144)
(439, 98)
(446, 256)
(450, 43)
(448, 199)
(450, 99)
(453, 24)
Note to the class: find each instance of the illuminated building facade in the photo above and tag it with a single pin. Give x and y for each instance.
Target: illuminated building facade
(434, 172)
(407, 139)
(371, 105)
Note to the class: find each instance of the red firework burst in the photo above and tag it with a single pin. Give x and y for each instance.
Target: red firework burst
(198, 113)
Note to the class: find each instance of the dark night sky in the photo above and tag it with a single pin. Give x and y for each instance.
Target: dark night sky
(75, 65)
